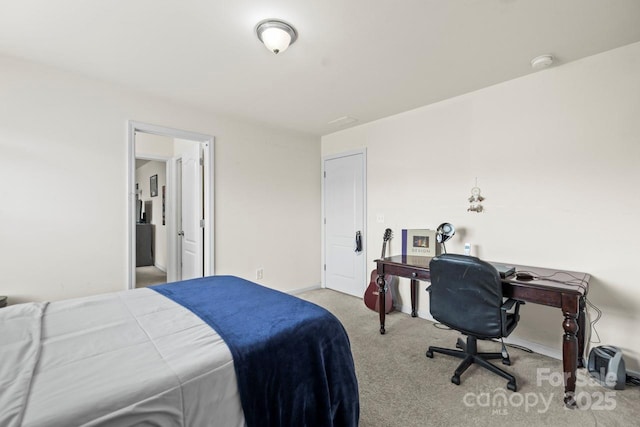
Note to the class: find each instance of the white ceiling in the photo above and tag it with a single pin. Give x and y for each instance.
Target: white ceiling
(365, 59)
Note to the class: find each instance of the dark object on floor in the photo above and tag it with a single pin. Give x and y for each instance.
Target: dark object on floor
(606, 366)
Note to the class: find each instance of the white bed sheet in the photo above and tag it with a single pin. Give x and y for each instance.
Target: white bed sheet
(121, 359)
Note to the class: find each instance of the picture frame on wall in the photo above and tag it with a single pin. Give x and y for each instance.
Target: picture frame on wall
(164, 199)
(153, 183)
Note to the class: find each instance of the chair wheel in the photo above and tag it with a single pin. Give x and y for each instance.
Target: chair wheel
(430, 354)
(506, 362)
(455, 379)
(512, 386)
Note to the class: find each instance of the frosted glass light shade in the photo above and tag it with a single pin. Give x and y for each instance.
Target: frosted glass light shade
(276, 40)
(277, 36)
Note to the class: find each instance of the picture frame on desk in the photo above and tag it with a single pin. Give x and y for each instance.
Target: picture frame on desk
(419, 242)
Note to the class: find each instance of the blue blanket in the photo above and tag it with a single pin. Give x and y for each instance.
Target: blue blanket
(292, 358)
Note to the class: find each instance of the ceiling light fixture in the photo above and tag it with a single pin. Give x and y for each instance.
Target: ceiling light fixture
(542, 61)
(276, 35)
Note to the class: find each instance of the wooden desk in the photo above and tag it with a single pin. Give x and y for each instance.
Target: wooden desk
(562, 289)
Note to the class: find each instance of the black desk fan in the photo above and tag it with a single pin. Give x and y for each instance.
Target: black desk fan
(444, 232)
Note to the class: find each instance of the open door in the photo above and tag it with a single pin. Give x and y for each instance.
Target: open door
(192, 215)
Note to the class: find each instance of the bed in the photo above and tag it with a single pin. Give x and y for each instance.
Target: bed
(216, 351)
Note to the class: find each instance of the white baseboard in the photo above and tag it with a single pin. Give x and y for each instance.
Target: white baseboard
(633, 373)
(161, 267)
(535, 347)
(301, 290)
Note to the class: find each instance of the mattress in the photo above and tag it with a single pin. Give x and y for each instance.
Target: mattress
(214, 351)
(123, 359)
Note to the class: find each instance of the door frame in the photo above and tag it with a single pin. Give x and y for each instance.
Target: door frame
(174, 245)
(207, 143)
(323, 221)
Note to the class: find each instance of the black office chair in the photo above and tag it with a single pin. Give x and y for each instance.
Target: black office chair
(466, 295)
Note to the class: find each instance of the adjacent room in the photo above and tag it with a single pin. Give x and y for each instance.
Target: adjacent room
(390, 189)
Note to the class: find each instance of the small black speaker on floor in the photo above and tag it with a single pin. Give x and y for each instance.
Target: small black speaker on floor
(606, 366)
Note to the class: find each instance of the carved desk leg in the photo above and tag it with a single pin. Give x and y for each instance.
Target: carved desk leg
(570, 348)
(382, 290)
(581, 333)
(414, 291)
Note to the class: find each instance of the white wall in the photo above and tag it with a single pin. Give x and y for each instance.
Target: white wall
(557, 156)
(63, 216)
(151, 146)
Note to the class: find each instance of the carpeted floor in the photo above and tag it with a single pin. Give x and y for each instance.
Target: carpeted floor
(150, 275)
(401, 387)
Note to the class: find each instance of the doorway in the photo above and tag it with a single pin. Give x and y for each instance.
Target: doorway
(190, 215)
(151, 230)
(344, 194)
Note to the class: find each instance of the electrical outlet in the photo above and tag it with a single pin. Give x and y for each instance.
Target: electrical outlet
(259, 274)
(380, 218)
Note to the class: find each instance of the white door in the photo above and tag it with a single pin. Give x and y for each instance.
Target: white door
(191, 214)
(344, 218)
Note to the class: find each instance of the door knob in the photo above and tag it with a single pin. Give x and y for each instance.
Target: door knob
(180, 233)
(358, 241)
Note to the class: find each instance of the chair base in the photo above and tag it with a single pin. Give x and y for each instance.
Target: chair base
(469, 354)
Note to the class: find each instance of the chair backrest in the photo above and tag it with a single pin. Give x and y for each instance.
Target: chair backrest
(466, 295)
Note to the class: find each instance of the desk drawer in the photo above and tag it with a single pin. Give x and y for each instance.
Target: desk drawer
(410, 273)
